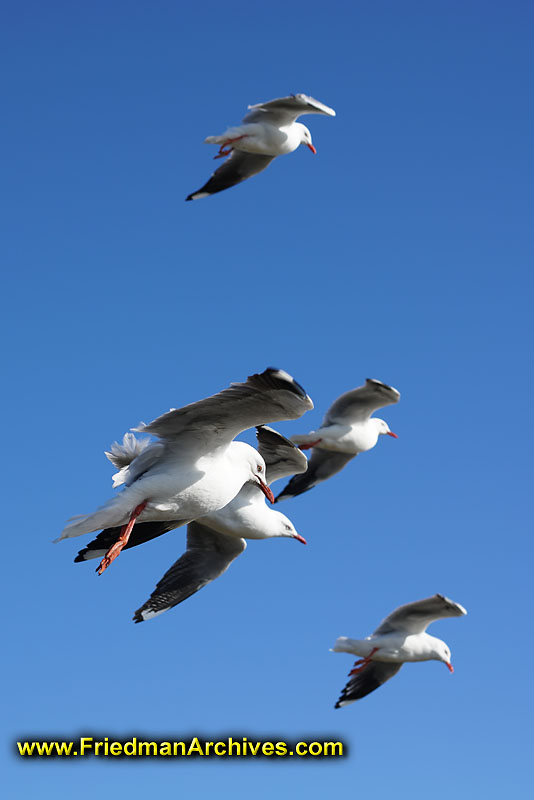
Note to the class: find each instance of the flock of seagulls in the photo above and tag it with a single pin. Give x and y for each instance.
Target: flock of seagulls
(190, 470)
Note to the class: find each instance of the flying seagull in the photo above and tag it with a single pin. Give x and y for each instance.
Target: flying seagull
(268, 130)
(399, 638)
(347, 429)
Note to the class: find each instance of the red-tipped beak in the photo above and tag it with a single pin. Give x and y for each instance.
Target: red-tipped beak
(266, 491)
(300, 538)
(390, 433)
(449, 667)
(312, 148)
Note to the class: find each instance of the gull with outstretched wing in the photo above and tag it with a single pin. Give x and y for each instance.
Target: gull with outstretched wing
(268, 130)
(347, 429)
(399, 638)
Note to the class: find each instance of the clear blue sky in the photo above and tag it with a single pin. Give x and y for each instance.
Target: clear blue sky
(402, 251)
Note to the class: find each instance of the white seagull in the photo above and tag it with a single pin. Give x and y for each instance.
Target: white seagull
(347, 429)
(215, 540)
(268, 130)
(399, 638)
(195, 467)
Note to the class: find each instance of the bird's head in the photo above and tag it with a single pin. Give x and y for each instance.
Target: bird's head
(444, 654)
(280, 525)
(257, 467)
(383, 427)
(306, 137)
(250, 466)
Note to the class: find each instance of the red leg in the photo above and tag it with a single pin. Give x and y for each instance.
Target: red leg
(223, 152)
(359, 665)
(122, 541)
(309, 445)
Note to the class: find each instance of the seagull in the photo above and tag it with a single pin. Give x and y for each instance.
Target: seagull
(195, 467)
(215, 540)
(399, 638)
(347, 429)
(268, 130)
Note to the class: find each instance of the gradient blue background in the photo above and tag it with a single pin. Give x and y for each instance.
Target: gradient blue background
(402, 251)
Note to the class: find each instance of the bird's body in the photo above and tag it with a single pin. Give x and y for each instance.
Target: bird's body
(401, 637)
(350, 439)
(195, 466)
(347, 430)
(392, 648)
(215, 540)
(177, 487)
(269, 130)
(263, 138)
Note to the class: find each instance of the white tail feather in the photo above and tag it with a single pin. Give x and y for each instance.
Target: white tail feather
(304, 438)
(115, 512)
(121, 455)
(345, 645)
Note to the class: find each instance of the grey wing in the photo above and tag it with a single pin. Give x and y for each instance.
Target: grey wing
(238, 167)
(321, 466)
(359, 404)
(208, 555)
(270, 396)
(416, 617)
(285, 110)
(281, 456)
(363, 683)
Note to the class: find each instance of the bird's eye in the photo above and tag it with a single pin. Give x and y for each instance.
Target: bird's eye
(288, 527)
(260, 468)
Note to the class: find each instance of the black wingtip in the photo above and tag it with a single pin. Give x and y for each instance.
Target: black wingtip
(298, 389)
(382, 385)
(268, 434)
(137, 617)
(198, 195)
(378, 383)
(289, 495)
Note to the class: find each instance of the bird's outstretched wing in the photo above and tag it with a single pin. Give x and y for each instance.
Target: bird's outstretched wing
(416, 617)
(208, 555)
(285, 110)
(321, 466)
(358, 404)
(141, 533)
(269, 396)
(363, 683)
(238, 167)
(281, 456)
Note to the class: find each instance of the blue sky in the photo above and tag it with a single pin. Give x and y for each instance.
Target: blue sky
(402, 251)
